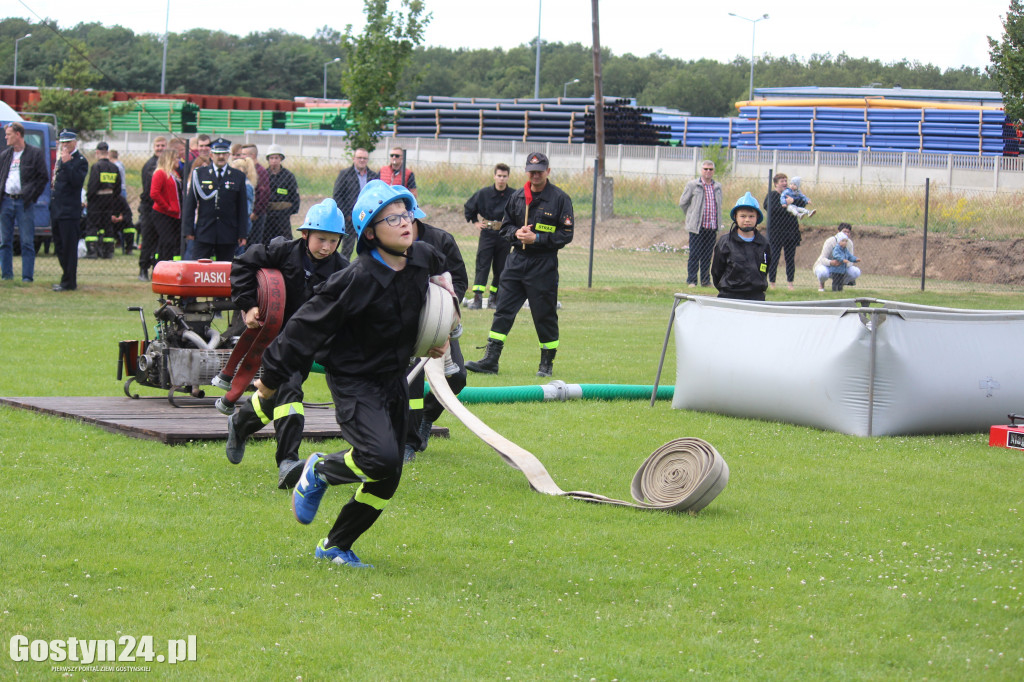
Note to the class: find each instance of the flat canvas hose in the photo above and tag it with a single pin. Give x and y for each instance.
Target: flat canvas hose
(245, 358)
(685, 474)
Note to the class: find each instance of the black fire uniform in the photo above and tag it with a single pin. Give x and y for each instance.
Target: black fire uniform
(223, 210)
(124, 229)
(489, 205)
(361, 326)
(302, 274)
(739, 269)
(147, 248)
(101, 195)
(531, 271)
(429, 408)
(284, 203)
(66, 215)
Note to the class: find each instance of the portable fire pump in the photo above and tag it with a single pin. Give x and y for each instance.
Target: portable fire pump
(188, 349)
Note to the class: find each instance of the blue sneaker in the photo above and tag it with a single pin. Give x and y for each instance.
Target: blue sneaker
(308, 491)
(342, 557)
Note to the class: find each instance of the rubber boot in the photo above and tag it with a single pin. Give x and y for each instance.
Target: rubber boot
(424, 432)
(108, 249)
(489, 363)
(547, 362)
(92, 249)
(477, 302)
(143, 274)
(492, 301)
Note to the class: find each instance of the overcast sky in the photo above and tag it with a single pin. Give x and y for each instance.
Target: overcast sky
(888, 30)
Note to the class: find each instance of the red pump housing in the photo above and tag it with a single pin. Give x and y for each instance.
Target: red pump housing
(192, 278)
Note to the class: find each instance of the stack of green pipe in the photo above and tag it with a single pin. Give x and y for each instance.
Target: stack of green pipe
(154, 115)
(236, 121)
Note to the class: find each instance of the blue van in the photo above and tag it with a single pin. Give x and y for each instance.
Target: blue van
(44, 136)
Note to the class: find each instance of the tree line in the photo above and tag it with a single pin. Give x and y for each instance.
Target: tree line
(283, 65)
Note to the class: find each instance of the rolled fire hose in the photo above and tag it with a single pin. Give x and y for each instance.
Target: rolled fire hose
(245, 358)
(685, 474)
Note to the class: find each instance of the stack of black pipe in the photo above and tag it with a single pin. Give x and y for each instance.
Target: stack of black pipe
(568, 120)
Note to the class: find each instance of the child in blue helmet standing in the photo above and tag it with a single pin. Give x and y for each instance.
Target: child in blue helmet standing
(361, 326)
(305, 263)
(739, 268)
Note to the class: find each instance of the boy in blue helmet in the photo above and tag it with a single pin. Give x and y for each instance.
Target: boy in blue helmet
(739, 268)
(305, 263)
(361, 326)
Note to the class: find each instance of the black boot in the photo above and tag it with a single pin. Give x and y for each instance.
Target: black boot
(424, 432)
(143, 274)
(92, 249)
(489, 363)
(477, 302)
(547, 362)
(492, 301)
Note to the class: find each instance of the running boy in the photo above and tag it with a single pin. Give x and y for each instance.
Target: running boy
(361, 326)
(304, 263)
(739, 267)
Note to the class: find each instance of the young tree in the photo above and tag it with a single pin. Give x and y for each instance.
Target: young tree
(75, 106)
(1007, 55)
(376, 60)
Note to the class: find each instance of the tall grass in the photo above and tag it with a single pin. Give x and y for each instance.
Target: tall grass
(827, 556)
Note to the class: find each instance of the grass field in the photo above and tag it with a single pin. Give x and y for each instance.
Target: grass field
(827, 556)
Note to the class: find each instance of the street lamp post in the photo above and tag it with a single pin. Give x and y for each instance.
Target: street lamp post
(16, 41)
(753, 30)
(336, 59)
(567, 84)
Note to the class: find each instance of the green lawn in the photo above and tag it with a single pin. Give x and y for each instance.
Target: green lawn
(826, 557)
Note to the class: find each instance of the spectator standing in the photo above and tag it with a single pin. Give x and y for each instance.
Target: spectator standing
(485, 210)
(165, 190)
(537, 222)
(198, 148)
(783, 229)
(349, 183)
(284, 196)
(213, 213)
(245, 164)
(148, 247)
(262, 199)
(101, 205)
(701, 202)
(116, 160)
(397, 173)
(740, 266)
(821, 266)
(22, 182)
(66, 207)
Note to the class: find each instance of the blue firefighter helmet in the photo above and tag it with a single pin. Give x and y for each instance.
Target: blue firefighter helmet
(375, 196)
(747, 201)
(325, 217)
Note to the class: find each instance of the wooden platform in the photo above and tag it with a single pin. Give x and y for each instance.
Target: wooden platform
(154, 418)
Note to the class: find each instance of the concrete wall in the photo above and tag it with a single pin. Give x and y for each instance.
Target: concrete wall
(900, 169)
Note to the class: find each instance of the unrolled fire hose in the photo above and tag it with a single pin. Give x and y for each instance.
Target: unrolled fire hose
(685, 474)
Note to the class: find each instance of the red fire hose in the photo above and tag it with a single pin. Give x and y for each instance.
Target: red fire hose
(245, 359)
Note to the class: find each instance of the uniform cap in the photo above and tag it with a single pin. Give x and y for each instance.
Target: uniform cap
(536, 162)
(220, 146)
(67, 135)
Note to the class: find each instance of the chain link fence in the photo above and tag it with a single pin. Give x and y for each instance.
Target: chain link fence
(974, 241)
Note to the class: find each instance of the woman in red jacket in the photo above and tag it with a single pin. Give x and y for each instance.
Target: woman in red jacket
(166, 192)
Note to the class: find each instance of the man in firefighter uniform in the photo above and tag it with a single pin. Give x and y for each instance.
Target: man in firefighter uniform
(217, 194)
(485, 210)
(101, 196)
(538, 221)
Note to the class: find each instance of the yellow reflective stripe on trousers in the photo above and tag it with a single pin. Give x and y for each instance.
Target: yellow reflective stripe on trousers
(497, 337)
(415, 403)
(549, 345)
(288, 410)
(259, 409)
(351, 464)
(370, 499)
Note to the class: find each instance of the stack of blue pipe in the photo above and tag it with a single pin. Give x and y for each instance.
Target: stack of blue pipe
(569, 120)
(981, 131)
(697, 131)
